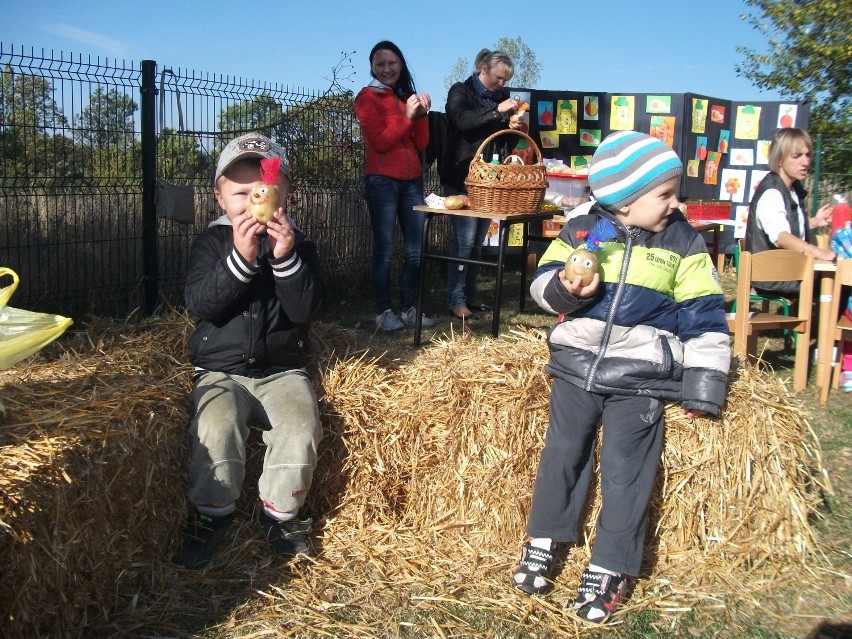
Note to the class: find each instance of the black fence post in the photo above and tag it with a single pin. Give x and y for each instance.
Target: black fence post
(149, 178)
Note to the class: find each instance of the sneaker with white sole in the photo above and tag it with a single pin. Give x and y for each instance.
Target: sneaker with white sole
(532, 574)
(410, 316)
(388, 321)
(599, 595)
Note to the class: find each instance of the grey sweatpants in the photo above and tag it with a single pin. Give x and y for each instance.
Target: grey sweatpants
(286, 405)
(630, 455)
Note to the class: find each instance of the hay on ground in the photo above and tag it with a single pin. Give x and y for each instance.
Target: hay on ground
(422, 490)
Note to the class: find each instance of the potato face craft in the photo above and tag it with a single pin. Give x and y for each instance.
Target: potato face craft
(263, 202)
(582, 262)
(263, 199)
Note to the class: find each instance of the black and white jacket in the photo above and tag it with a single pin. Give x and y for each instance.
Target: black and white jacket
(252, 318)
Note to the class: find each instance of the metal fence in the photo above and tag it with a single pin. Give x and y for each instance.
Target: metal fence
(84, 142)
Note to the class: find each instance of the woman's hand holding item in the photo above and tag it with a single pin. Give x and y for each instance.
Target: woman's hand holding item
(823, 216)
(417, 106)
(510, 104)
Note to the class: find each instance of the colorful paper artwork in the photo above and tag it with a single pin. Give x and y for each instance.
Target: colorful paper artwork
(762, 151)
(733, 183)
(662, 128)
(742, 157)
(717, 114)
(658, 104)
(549, 139)
(591, 107)
(740, 219)
(621, 118)
(692, 168)
(545, 113)
(580, 161)
(748, 122)
(724, 140)
(701, 147)
(524, 96)
(492, 237)
(756, 176)
(699, 115)
(566, 117)
(787, 115)
(590, 137)
(711, 168)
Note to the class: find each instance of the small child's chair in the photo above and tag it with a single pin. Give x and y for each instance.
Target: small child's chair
(840, 330)
(783, 303)
(779, 265)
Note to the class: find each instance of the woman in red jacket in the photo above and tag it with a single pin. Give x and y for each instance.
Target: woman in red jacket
(395, 129)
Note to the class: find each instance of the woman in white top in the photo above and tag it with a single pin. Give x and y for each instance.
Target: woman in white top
(777, 216)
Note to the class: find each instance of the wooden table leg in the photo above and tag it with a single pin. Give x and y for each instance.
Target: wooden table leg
(825, 345)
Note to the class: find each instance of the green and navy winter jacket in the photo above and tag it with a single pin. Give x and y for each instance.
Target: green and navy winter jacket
(656, 325)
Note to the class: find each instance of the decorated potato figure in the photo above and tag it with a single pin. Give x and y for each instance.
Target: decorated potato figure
(583, 261)
(263, 199)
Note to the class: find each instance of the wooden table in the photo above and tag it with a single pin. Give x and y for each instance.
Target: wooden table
(504, 221)
(702, 226)
(825, 343)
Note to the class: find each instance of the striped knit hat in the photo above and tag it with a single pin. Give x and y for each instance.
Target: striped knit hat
(627, 165)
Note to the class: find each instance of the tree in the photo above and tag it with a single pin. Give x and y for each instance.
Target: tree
(108, 120)
(263, 113)
(809, 60)
(180, 156)
(26, 101)
(31, 125)
(527, 67)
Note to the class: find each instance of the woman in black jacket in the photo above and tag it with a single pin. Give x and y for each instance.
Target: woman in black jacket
(476, 108)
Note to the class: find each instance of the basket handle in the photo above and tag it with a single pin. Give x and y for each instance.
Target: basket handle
(485, 142)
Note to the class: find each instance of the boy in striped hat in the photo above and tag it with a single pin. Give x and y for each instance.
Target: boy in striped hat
(650, 328)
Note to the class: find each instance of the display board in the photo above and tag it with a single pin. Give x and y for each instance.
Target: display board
(723, 143)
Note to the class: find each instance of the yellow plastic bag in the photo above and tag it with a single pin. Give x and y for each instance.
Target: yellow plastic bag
(23, 333)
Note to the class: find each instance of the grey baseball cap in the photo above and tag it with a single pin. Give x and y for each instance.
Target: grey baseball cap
(251, 145)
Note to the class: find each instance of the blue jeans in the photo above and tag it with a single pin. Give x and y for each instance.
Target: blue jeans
(468, 235)
(389, 201)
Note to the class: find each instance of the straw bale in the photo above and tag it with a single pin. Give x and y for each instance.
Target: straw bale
(421, 494)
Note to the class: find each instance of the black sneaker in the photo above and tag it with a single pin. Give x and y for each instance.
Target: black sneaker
(201, 537)
(532, 574)
(290, 538)
(599, 596)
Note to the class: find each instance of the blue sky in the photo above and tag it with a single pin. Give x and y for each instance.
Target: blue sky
(617, 46)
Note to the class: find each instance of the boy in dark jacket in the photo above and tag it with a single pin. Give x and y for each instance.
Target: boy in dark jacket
(649, 328)
(254, 288)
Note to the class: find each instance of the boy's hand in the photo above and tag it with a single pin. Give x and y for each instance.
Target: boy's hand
(575, 286)
(246, 229)
(282, 238)
(692, 413)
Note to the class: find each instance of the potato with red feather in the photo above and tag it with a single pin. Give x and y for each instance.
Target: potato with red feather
(264, 199)
(263, 202)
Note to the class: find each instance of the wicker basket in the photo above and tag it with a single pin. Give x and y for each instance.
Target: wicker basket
(506, 188)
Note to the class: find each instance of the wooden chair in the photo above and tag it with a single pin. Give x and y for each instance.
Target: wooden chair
(840, 330)
(778, 265)
(783, 303)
